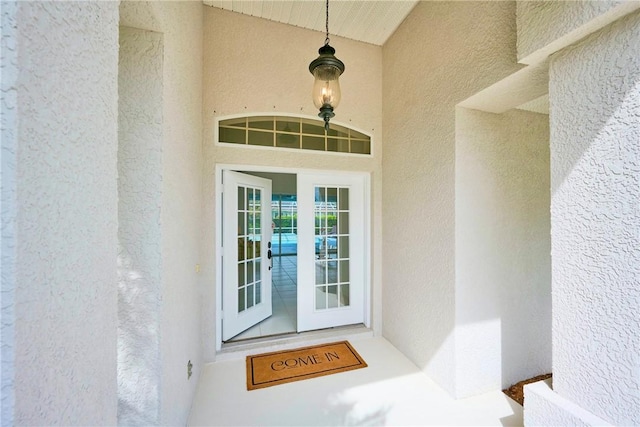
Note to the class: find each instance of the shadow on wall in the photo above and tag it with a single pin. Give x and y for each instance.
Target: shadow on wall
(503, 240)
(594, 89)
(600, 125)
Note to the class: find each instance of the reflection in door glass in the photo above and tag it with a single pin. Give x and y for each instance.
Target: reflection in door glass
(331, 247)
(249, 248)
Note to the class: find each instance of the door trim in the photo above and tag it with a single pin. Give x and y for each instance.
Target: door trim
(368, 291)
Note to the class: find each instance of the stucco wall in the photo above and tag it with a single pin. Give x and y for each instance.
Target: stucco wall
(503, 244)
(253, 65)
(546, 408)
(180, 331)
(545, 27)
(139, 226)
(443, 53)
(594, 93)
(63, 139)
(8, 207)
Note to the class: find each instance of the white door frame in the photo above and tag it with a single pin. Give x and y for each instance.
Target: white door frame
(218, 231)
(256, 309)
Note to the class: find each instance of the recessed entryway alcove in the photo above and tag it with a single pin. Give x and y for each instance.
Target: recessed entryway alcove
(503, 240)
(292, 243)
(293, 251)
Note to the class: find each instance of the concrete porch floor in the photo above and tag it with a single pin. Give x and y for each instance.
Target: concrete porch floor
(390, 391)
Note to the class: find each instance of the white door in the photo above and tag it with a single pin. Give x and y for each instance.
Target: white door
(331, 251)
(246, 240)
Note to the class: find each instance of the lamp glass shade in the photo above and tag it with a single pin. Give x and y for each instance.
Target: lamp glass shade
(326, 87)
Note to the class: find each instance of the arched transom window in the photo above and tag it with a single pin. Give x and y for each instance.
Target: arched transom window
(292, 133)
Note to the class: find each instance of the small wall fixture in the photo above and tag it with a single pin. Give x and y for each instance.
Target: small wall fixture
(326, 70)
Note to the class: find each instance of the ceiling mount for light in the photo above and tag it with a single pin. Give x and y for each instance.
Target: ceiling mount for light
(326, 70)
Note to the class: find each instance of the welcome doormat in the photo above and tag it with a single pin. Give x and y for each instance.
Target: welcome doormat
(269, 369)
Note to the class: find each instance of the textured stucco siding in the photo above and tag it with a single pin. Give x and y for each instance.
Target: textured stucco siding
(443, 53)
(180, 24)
(546, 408)
(8, 207)
(244, 74)
(542, 23)
(503, 244)
(65, 99)
(594, 93)
(139, 226)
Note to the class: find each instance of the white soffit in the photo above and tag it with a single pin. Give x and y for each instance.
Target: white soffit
(527, 84)
(370, 21)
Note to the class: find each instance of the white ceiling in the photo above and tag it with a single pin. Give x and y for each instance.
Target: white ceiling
(370, 21)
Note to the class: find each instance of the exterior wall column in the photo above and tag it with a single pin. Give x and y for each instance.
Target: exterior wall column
(594, 93)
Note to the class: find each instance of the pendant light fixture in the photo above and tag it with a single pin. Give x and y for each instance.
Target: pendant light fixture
(326, 70)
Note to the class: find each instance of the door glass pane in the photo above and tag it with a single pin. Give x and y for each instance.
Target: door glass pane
(241, 275)
(312, 143)
(256, 200)
(332, 271)
(332, 196)
(321, 297)
(286, 140)
(344, 223)
(331, 246)
(249, 247)
(233, 136)
(332, 300)
(258, 293)
(344, 295)
(343, 247)
(343, 201)
(250, 289)
(240, 198)
(321, 273)
(344, 271)
(249, 271)
(256, 225)
(249, 199)
(241, 302)
(242, 225)
(261, 123)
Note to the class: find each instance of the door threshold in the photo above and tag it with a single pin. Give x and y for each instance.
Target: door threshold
(241, 349)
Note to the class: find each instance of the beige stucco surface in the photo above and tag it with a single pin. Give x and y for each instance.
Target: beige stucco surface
(594, 94)
(59, 213)
(139, 226)
(503, 241)
(545, 27)
(60, 193)
(443, 53)
(256, 66)
(180, 24)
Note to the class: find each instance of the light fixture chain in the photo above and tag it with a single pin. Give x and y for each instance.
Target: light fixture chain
(326, 40)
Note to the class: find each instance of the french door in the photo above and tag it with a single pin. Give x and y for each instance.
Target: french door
(246, 276)
(331, 250)
(331, 261)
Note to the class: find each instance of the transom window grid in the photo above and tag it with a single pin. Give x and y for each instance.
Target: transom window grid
(332, 247)
(292, 133)
(249, 251)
